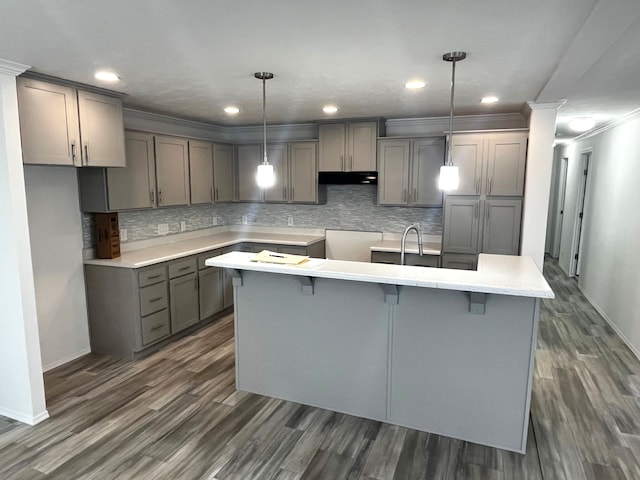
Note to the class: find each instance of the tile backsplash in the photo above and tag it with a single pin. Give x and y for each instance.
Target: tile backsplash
(348, 207)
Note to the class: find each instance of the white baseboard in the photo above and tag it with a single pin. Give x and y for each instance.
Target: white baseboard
(626, 341)
(62, 361)
(24, 417)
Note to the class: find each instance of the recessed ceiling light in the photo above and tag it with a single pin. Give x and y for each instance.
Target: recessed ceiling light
(330, 109)
(413, 84)
(582, 124)
(106, 76)
(232, 110)
(490, 99)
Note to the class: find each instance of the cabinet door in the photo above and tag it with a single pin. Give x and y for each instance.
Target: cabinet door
(228, 289)
(172, 171)
(501, 234)
(210, 290)
(459, 261)
(101, 130)
(183, 298)
(303, 173)
(428, 157)
(134, 185)
(48, 123)
(331, 147)
(393, 182)
(507, 153)
(461, 225)
(467, 152)
(223, 173)
(362, 139)
(278, 156)
(201, 171)
(249, 157)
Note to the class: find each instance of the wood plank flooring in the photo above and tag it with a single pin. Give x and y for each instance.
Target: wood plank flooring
(177, 415)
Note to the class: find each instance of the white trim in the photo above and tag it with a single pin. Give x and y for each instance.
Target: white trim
(622, 336)
(633, 114)
(515, 120)
(21, 417)
(545, 105)
(67, 359)
(12, 68)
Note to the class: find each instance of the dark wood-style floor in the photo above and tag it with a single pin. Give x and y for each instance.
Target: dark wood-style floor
(176, 415)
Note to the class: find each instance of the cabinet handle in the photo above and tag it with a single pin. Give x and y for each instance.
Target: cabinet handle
(478, 185)
(404, 195)
(182, 269)
(155, 299)
(293, 194)
(157, 327)
(159, 197)
(73, 152)
(350, 162)
(475, 210)
(342, 163)
(284, 193)
(216, 194)
(487, 211)
(490, 182)
(154, 276)
(86, 153)
(152, 194)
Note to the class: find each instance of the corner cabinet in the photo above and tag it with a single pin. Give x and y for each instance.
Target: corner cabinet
(349, 146)
(223, 173)
(60, 125)
(408, 171)
(484, 214)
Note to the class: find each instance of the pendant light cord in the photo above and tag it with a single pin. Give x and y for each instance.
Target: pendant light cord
(264, 118)
(453, 85)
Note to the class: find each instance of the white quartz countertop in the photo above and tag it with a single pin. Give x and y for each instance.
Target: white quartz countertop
(499, 274)
(173, 250)
(393, 246)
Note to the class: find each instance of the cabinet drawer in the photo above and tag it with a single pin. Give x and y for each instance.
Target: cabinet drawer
(155, 327)
(150, 276)
(203, 256)
(153, 298)
(182, 267)
(292, 249)
(385, 257)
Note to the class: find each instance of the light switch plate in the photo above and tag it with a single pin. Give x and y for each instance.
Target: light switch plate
(215, 221)
(123, 234)
(244, 219)
(290, 221)
(183, 226)
(163, 228)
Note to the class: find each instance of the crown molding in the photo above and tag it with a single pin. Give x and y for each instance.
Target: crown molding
(438, 125)
(545, 105)
(12, 68)
(632, 115)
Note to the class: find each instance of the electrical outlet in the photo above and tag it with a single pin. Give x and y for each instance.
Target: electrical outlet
(183, 226)
(244, 219)
(290, 221)
(123, 234)
(215, 221)
(163, 228)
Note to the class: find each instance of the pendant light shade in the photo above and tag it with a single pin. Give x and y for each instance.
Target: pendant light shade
(265, 176)
(449, 178)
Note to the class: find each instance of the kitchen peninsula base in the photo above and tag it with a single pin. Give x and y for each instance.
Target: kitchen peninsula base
(408, 355)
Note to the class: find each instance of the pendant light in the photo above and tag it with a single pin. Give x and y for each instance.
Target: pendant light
(449, 178)
(265, 175)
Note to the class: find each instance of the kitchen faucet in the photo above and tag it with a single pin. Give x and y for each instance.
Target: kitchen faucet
(404, 239)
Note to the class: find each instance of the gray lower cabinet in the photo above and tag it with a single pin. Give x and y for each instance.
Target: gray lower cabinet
(183, 293)
(210, 286)
(316, 250)
(392, 258)
(459, 261)
(461, 225)
(501, 229)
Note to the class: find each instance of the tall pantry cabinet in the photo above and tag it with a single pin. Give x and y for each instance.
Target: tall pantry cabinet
(484, 214)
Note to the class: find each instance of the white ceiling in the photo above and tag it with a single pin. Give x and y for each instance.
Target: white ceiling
(192, 58)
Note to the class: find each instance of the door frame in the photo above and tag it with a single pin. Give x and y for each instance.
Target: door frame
(586, 157)
(560, 204)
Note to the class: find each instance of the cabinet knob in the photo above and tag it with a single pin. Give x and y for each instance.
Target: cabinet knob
(86, 153)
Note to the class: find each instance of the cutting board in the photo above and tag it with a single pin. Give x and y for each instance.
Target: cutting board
(350, 244)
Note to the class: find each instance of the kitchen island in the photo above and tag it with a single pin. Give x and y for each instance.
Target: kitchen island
(444, 351)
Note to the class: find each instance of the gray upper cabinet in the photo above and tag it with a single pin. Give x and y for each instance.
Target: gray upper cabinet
(467, 151)
(332, 138)
(462, 225)
(303, 172)
(101, 130)
(249, 157)
(409, 170)
(223, 173)
(502, 226)
(348, 147)
(201, 171)
(172, 171)
(506, 158)
(278, 156)
(62, 126)
(133, 186)
(393, 168)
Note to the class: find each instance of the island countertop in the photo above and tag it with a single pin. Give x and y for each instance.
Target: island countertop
(498, 274)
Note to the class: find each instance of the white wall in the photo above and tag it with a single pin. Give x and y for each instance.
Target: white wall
(56, 249)
(21, 382)
(610, 259)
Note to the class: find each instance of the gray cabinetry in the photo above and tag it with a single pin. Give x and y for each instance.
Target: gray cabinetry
(249, 157)
(409, 170)
(223, 173)
(459, 261)
(62, 126)
(392, 258)
(467, 151)
(461, 226)
(201, 171)
(172, 171)
(131, 187)
(210, 286)
(278, 156)
(303, 166)
(501, 233)
(348, 147)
